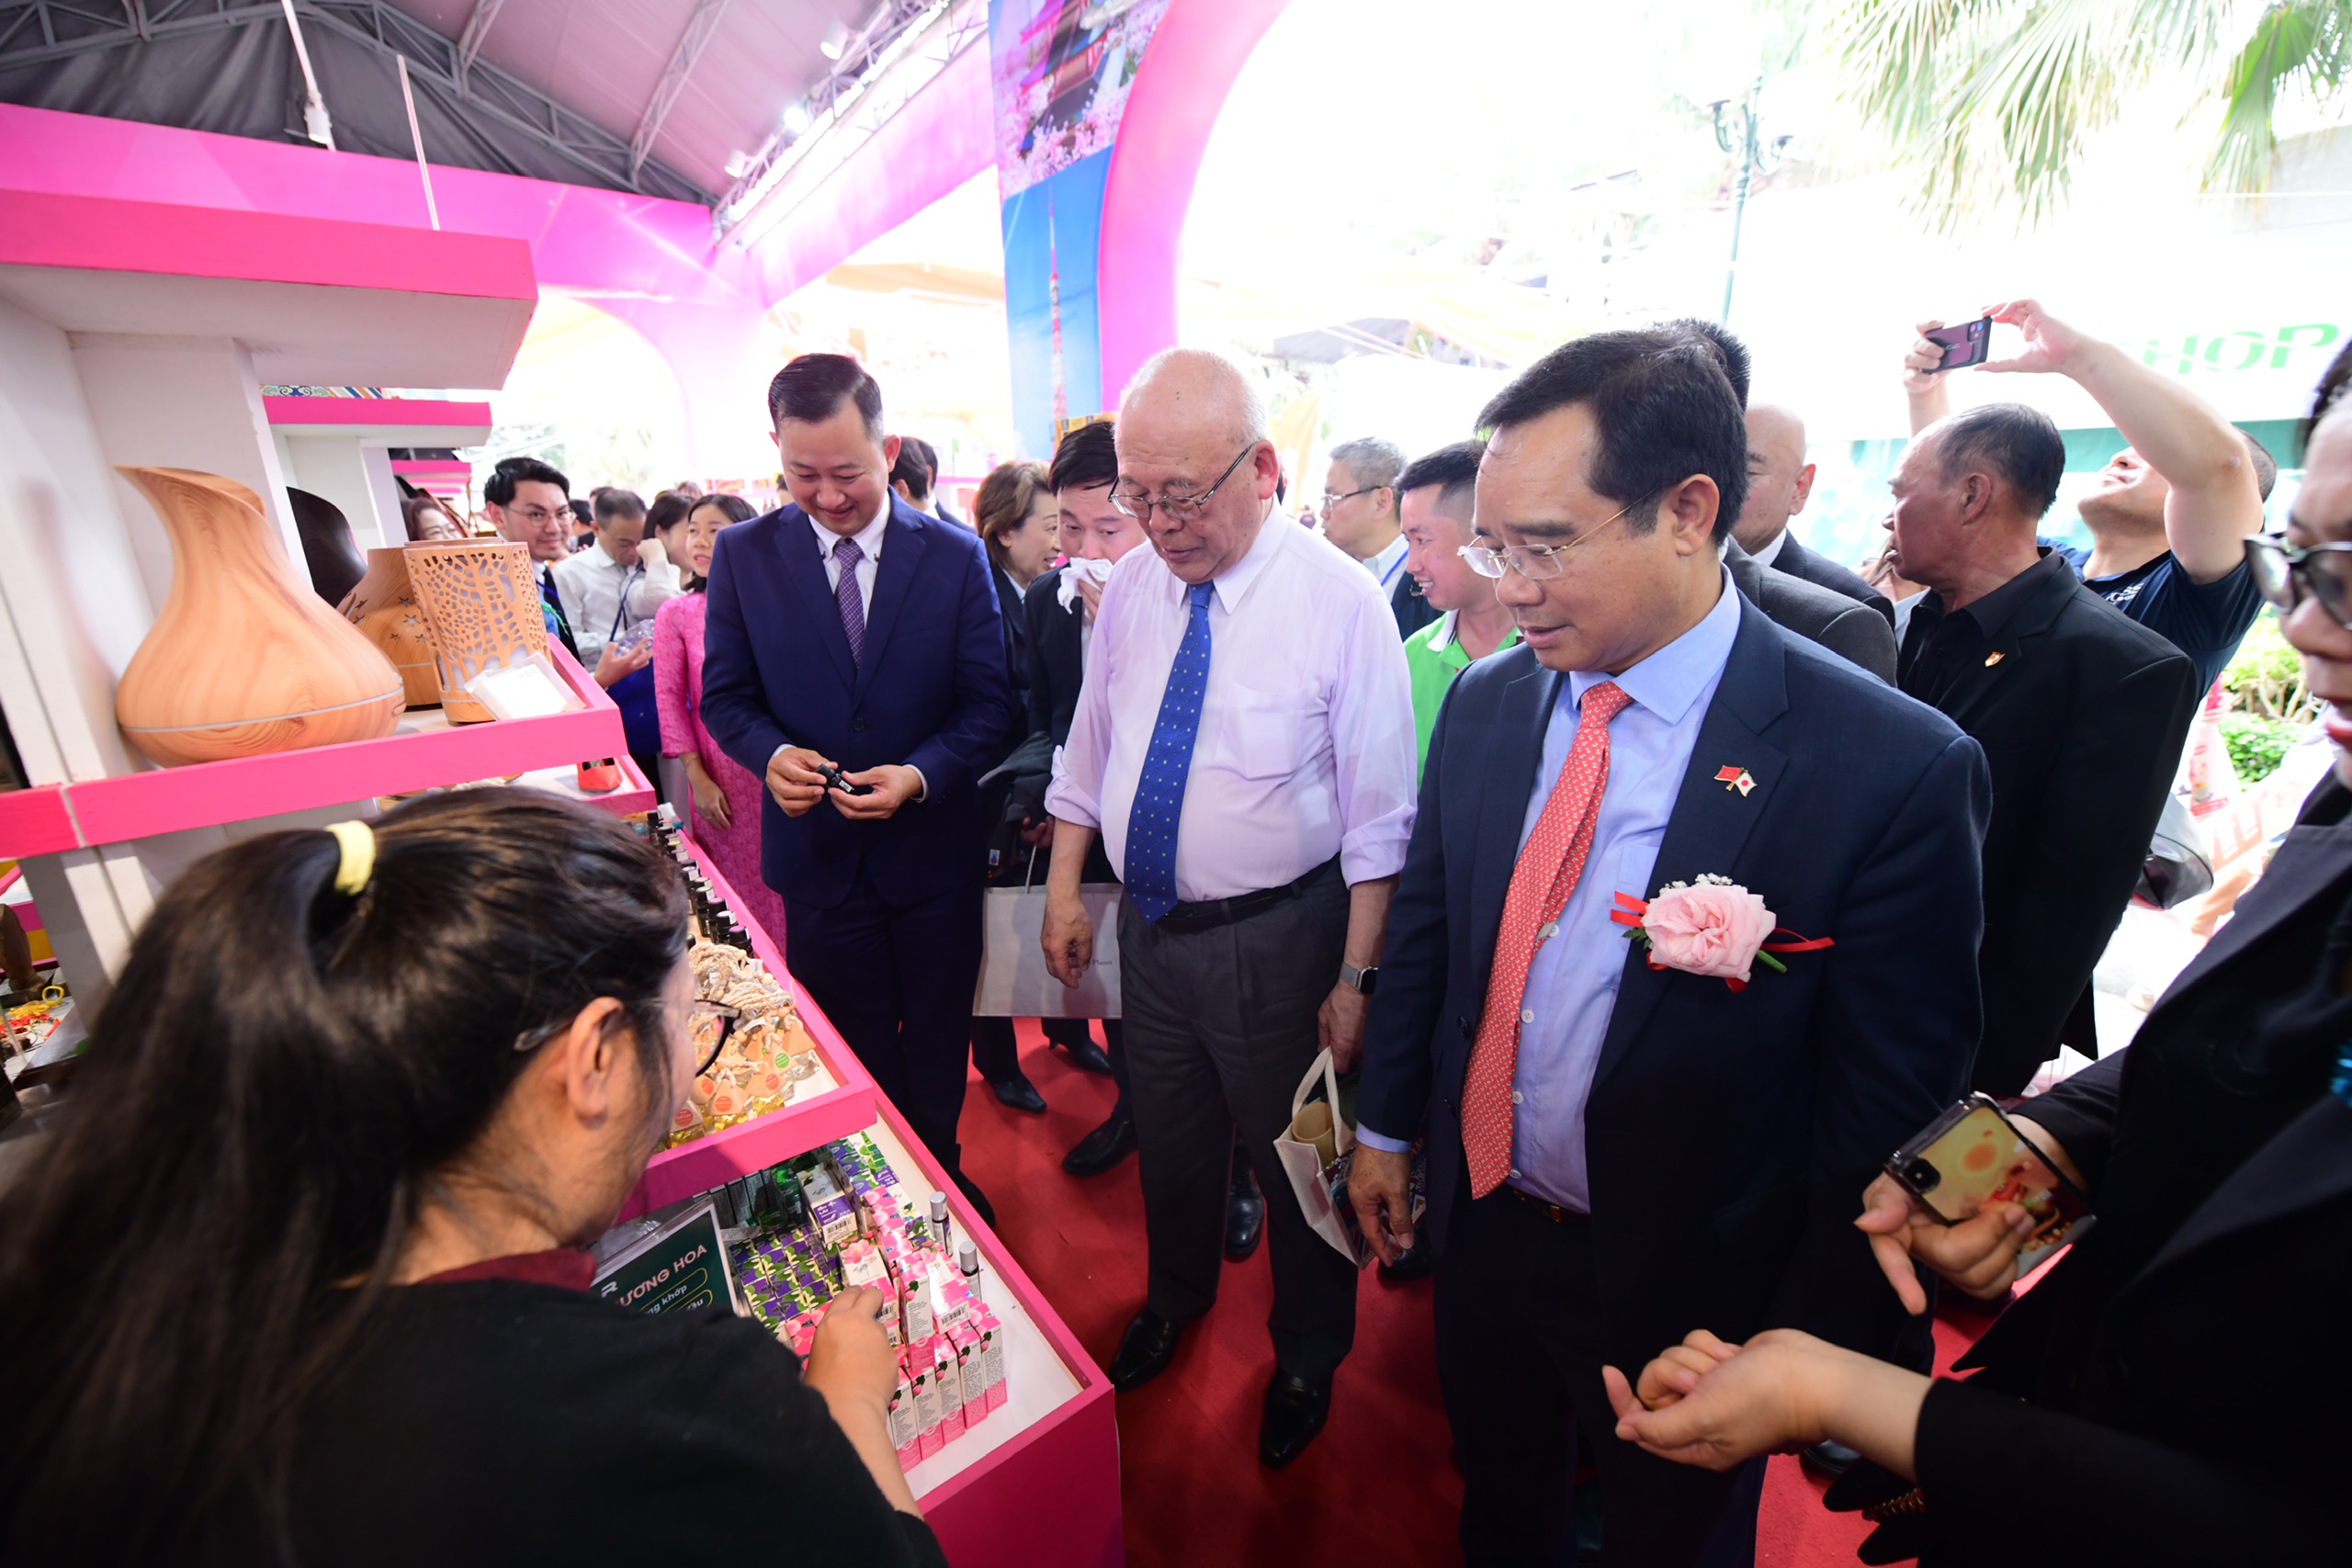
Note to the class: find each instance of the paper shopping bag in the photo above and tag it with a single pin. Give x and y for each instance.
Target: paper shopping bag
(1314, 1150)
(1014, 981)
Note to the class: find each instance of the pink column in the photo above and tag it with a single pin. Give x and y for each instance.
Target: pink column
(1199, 49)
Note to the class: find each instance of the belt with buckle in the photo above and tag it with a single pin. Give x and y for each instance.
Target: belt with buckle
(1210, 913)
(1548, 1209)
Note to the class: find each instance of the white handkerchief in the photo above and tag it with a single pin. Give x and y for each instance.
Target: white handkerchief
(1097, 571)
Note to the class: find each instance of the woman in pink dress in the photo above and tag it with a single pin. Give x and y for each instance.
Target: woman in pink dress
(725, 814)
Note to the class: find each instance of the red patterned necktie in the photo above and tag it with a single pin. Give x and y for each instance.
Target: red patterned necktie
(1546, 874)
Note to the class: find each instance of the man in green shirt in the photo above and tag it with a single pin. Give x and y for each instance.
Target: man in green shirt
(1435, 498)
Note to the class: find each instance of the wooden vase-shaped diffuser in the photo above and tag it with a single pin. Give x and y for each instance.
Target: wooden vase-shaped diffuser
(244, 659)
(482, 606)
(383, 607)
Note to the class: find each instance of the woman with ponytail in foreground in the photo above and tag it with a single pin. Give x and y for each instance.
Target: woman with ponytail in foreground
(301, 1279)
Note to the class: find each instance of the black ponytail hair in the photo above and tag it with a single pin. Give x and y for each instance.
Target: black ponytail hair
(278, 1069)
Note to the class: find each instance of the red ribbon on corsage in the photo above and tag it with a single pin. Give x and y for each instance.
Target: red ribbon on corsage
(1712, 926)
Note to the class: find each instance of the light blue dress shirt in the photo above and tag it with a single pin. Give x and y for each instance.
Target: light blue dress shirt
(1572, 984)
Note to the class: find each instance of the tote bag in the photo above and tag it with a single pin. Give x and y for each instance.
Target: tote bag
(1014, 982)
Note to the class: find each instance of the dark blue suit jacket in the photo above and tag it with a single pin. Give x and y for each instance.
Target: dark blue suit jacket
(1729, 1137)
(931, 693)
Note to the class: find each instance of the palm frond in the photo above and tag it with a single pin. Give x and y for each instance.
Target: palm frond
(2307, 44)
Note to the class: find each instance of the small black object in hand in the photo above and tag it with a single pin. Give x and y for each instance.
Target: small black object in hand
(834, 779)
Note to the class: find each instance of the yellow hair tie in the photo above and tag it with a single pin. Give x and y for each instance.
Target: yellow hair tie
(358, 842)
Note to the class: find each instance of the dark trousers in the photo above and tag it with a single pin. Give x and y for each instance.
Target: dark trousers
(897, 981)
(1220, 1027)
(1518, 1358)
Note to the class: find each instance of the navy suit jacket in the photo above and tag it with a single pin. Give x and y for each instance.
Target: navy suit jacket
(1728, 1136)
(931, 692)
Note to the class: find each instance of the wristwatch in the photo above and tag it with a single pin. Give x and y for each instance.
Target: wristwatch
(1356, 979)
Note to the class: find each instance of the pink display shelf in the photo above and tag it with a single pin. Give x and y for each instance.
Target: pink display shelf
(427, 411)
(801, 1125)
(318, 301)
(52, 817)
(1049, 1498)
(1046, 1496)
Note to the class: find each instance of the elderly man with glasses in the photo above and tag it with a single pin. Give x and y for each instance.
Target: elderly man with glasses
(1244, 745)
(1626, 1138)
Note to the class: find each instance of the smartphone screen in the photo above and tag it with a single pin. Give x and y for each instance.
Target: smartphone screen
(1971, 1155)
(1971, 342)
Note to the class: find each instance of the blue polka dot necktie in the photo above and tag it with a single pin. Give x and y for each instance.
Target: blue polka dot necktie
(1160, 794)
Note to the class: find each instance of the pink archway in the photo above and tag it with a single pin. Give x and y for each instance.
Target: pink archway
(1195, 55)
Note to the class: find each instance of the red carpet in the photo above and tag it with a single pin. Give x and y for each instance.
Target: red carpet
(1375, 1488)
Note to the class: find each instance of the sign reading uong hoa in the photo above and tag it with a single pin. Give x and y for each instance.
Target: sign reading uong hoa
(1061, 71)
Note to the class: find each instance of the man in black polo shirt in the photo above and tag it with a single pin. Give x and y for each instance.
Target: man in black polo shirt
(2081, 712)
(2171, 510)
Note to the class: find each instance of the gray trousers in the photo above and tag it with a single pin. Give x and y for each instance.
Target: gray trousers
(1220, 1027)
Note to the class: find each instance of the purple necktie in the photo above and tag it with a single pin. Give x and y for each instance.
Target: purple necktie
(846, 554)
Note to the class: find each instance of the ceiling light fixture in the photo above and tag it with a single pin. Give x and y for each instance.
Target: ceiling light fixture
(796, 119)
(836, 41)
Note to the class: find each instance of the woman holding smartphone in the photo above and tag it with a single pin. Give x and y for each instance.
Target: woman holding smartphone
(302, 1278)
(2166, 1393)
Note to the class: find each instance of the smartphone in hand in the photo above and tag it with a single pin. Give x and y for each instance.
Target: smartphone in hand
(1971, 1155)
(1971, 342)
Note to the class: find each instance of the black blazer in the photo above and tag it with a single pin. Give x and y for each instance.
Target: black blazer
(1056, 661)
(1728, 1133)
(2157, 1435)
(1847, 629)
(1016, 646)
(2082, 713)
(1798, 561)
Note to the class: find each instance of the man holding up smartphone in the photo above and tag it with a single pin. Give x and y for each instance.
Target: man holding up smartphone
(2171, 509)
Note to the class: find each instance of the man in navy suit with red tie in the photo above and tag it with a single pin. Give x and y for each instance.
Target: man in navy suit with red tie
(1621, 1152)
(853, 641)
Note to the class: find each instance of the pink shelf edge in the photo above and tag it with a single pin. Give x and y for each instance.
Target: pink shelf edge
(103, 233)
(764, 1140)
(994, 1526)
(205, 794)
(303, 413)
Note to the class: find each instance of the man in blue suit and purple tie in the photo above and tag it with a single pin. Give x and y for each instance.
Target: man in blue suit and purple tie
(1620, 1153)
(853, 658)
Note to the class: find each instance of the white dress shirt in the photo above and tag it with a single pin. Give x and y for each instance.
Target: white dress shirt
(1770, 552)
(1306, 744)
(1387, 561)
(603, 598)
(869, 541)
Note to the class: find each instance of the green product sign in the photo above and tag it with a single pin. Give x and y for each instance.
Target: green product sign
(678, 1267)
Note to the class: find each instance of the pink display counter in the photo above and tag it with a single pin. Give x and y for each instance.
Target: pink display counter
(1037, 1484)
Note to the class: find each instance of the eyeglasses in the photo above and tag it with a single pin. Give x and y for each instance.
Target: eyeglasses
(538, 516)
(1330, 501)
(1537, 563)
(1177, 508)
(708, 1023)
(2284, 574)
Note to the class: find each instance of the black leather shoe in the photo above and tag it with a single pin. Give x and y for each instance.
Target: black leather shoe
(1087, 1058)
(1102, 1149)
(1144, 1350)
(973, 1196)
(1414, 1263)
(1245, 1219)
(1295, 1409)
(1018, 1092)
(1828, 1459)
